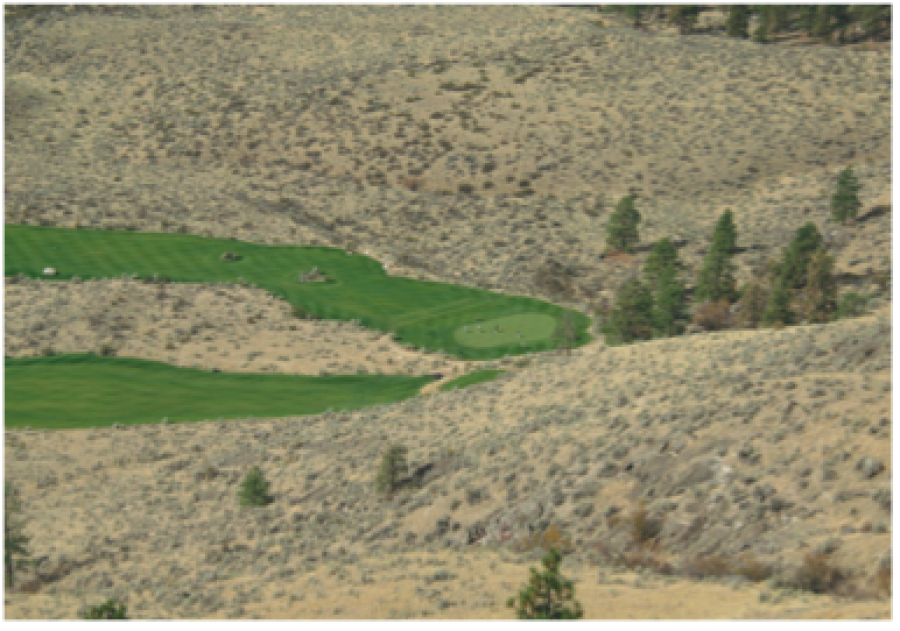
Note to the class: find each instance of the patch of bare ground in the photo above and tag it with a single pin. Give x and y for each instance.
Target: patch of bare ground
(675, 472)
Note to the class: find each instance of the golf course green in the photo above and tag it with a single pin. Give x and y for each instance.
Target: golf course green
(72, 391)
(426, 315)
(523, 328)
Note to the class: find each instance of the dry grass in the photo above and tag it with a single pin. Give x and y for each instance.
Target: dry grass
(189, 120)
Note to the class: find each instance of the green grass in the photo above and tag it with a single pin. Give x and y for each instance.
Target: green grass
(471, 379)
(421, 314)
(524, 328)
(70, 391)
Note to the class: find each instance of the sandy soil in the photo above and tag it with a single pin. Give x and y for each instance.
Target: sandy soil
(304, 125)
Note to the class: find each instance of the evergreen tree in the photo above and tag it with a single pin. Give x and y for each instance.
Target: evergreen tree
(795, 263)
(778, 307)
(845, 201)
(716, 281)
(669, 304)
(875, 19)
(684, 16)
(14, 541)
(662, 255)
(109, 610)
(820, 294)
(393, 465)
(822, 26)
(621, 231)
(254, 489)
(547, 595)
(632, 317)
(738, 21)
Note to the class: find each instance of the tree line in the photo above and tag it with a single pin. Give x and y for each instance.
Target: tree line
(827, 23)
(797, 286)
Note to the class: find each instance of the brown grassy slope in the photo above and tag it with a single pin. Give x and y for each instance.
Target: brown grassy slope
(773, 444)
(309, 125)
(764, 440)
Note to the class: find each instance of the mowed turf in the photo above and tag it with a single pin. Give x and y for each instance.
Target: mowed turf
(69, 391)
(421, 314)
(471, 379)
(516, 329)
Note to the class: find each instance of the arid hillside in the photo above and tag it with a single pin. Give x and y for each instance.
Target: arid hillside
(736, 474)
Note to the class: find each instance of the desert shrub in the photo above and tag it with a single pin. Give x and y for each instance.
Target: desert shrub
(644, 528)
(713, 316)
(718, 566)
(254, 489)
(547, 595)
(109, 610)
(851, 305)
(882, 585)
(817, 575)
(752, 568)
(709, 565)
(819, 299)
(645, 556)
(393, 465)
(551, 538)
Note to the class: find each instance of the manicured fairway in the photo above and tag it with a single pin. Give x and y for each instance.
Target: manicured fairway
(421, 314)
(69, 391)
(471, 379)
(517, 329)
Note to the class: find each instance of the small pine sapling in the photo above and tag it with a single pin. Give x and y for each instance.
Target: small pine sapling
(548, 594)
(255, 489)
(393, 465)
(845, 202)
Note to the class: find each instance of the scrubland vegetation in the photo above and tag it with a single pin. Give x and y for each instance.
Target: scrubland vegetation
(408, 217)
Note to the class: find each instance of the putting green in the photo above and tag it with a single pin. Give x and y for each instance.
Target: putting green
(521, 328)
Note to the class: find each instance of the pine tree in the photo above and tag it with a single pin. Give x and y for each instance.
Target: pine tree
(845, 201)
(874, 19)
(684, 16)
(393, 465)
(621, 231)
(795, 263)
(662, 255)
(14, 540)
(716, 281)
(778, 307)
(820, 294)
(254, 489)
(110, 610)
(725, 234)
(669, 304)
(547, 595)
(738, 21)
(632, 317)
(822, 24)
